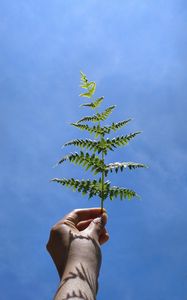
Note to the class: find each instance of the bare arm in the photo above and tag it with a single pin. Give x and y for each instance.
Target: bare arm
(74, 246)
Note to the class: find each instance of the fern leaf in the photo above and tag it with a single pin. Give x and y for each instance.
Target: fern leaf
(85, 186)
(122, 165)
(91, 91)
(99, 116)
(93, 162)
(115, 192)
(116, 126)
(85, 160)
(102, 145)
(85, 84)
(98, 130)
(90, 86)
(109, 144)
(120, 140)
(93, 188)
(93, 145)
(87, 143)
(94, 104)
(84, 80)
(85, 127)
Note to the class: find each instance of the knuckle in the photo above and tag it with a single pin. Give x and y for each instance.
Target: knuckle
(58, 230)
(53, 229)
(75, 211)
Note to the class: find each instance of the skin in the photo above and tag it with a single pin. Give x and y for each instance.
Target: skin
(74, 245)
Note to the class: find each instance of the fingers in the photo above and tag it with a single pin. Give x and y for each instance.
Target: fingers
(104, 237)
(91, 219)
(80, 215)
(100, 221)
(83, 224)
(96, 228)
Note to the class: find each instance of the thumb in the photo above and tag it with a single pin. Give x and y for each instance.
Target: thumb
(97, 225)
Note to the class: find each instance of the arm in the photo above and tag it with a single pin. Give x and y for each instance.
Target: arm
(74, 245)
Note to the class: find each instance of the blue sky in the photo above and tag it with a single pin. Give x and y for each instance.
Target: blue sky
(136, 51)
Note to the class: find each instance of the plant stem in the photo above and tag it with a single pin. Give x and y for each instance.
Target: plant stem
(102, 184)
(102, 177)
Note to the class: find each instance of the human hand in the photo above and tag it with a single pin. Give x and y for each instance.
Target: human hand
(78, 236)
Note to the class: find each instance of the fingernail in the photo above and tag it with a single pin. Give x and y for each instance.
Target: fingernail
(98, 220)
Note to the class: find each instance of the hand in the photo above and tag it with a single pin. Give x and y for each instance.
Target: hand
(71, 237)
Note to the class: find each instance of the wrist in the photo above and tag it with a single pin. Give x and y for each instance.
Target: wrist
(85, 250)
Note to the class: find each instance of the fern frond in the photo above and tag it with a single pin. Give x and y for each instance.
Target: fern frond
(99, 116)
(94, 188)
(93, 145)
(85, 160)
(84, 186)
(109, 144)
(115, 192)
(87, 143)
(93, 162)
(120, 140)
(98, 130)
(85, 127)
(91, 90)
(84, 80)
(85, 84)
(90, 86)
(94, 104)
(122, 165)
(116, 126)
(104, 144)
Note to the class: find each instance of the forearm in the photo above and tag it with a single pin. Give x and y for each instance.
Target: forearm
(78, 282)
(80, 277)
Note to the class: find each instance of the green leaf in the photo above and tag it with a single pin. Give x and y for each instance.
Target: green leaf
(94, 104)
(120, 140)
(84, 81)
(102, 145)
(99, 116)
(91, 91)
(85, 160)
(94, 129)
(94, 188)
(85, 186)
(93, 145)
(98, 130)
(89, 86)
(122, 165)
(115, 192)
(92, 162)
(116, 126)
(84, 144)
